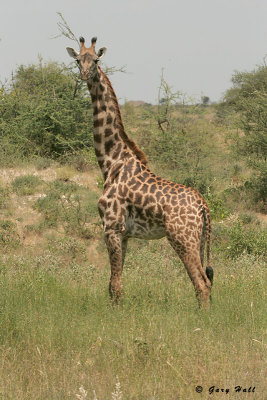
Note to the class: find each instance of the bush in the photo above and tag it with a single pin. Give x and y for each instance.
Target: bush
(179, 139)
(44, 112)
(237, 240)
(69, 206)
(9, 236)
(248, 97)
(42, 163)
(26, 185)
(259, 186)
(4, 196)
(82, 160)
(216, 205)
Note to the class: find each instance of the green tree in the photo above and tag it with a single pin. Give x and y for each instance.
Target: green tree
(248, 97)
(179, 139)
(44, 111)
(205, 100)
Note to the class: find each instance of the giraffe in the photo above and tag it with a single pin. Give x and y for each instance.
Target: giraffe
(135, 202)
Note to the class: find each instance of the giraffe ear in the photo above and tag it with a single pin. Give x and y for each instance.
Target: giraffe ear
(101, 52)
(72, 53)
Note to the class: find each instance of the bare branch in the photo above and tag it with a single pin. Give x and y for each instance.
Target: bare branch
(65, 29)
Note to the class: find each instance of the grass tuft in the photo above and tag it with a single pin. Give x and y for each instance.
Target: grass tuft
(70, 206)
(26, 185)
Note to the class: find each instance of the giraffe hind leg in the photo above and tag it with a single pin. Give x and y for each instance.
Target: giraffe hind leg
(191, 259)
(209, 269)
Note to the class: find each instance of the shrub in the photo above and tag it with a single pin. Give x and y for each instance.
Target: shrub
(44, 112)
(198, 182)
(248, 97)
(26, 185)
(236, 240)
(42, 163)
(82, 160)
(216, 205)
(4, 196)
(9, 236)
(69, 206)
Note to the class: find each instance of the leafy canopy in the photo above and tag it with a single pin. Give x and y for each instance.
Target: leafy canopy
(45, 111)
(248, 97)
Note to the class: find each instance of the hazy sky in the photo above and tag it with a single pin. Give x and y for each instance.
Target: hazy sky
(199, 42)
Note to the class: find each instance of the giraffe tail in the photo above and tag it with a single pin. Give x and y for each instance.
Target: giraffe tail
(206, 237)
(210, 274)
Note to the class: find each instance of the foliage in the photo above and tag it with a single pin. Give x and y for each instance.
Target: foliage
(177, 138)
(44, 112)
(82, 160)
(248, 97)
(167, 99)
(216, 205)
(66, 204)
(187, 155)
(4, 196)
(26, 185)
(9, 237)
(240, 238)
(205, 100)
(42, 163)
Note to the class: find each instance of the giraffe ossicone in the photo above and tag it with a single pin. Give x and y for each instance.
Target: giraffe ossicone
(135, 202)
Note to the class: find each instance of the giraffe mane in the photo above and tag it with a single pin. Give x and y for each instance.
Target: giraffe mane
(130, 143)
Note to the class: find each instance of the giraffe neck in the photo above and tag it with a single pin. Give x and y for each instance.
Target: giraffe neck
(110, 140)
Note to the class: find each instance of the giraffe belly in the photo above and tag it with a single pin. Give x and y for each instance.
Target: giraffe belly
(141, 230)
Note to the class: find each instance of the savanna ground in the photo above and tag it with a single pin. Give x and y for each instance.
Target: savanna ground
(60, 336)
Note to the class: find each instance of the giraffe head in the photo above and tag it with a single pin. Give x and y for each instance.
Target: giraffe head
(87, 59)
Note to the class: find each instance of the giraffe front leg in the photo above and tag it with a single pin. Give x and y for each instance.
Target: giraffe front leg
(114, 242)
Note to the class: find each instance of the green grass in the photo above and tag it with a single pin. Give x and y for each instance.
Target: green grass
(59, 331)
